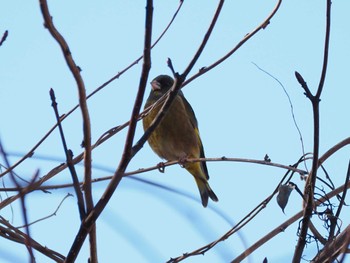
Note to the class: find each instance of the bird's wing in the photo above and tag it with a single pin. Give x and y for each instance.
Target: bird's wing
(194, 123)
(189, 110)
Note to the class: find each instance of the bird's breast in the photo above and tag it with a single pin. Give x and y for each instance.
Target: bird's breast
(174, 138)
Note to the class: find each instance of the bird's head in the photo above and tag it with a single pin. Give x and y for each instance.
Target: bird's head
(162, 83)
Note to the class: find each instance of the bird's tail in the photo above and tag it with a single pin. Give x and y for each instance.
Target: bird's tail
(205, 191)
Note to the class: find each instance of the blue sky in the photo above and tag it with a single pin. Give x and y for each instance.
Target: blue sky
(242, 113)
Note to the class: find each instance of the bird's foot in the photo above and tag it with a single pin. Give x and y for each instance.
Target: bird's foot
(161, 167)
(183, 161)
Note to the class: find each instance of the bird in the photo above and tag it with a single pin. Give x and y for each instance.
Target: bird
(177, 136)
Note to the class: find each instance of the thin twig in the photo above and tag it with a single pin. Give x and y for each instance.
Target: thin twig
(48, 216)
(69, 157)
(291, 108)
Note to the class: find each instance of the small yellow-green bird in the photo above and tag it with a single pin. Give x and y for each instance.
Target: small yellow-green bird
(177, 136)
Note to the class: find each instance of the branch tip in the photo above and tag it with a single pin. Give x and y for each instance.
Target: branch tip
(170, 65)
(4, 37)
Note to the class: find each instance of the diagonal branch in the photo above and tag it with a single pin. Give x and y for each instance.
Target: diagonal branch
(69, 157)
(205, 40)
(263, 25)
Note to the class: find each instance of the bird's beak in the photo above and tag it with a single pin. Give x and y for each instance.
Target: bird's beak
(155, 85)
